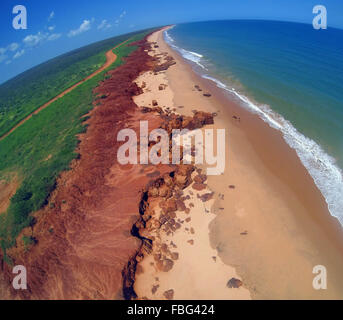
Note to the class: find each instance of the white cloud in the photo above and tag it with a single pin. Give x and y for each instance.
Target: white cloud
(51, 28)
(13, 46)
(85, 26)
(33, 40)
(8, 62)
(104, 25)
(121, 16)
(19, 54)
(52, 14)
(54, 36)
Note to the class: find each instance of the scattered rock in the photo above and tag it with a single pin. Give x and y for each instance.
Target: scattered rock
(207, 95)
(175, 255)
(169, 294)
(154, 103)
(164, 248)
(154, 288)
(199, 186)
(234, 283)
(147, 109)
(173, 244)
(165, 265)
(180, 205)
(191, 241)
(205, 197)
(164, 66)
(231, 186)
(200, 178)
(164, 191)
(199, 119)
(157, 256)
(236, 118)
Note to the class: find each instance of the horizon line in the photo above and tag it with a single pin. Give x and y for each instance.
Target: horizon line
(198, 21)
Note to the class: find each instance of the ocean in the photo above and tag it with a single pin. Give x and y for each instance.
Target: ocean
(289, 74)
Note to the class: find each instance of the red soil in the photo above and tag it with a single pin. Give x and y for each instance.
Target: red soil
(84, 241)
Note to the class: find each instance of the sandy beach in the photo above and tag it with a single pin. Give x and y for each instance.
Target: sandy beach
(266, 225)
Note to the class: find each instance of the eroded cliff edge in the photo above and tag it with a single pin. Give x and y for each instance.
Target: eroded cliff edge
(87, 239)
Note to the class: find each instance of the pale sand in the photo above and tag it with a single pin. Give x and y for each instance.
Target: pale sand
(198, 265)
(288, 227)
(198, 273)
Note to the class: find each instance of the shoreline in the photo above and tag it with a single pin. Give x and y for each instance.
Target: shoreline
(322, 167)
(274, 226)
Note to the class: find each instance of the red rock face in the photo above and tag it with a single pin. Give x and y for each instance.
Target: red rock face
(89, 241)
(85, 241)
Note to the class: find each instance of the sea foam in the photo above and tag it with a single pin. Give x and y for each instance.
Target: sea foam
(189, 55)
(327, 176)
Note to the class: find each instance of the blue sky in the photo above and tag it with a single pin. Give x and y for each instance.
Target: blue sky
(56, 27)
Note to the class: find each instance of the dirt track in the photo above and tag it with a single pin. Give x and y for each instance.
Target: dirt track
(110, 58)
(84, 239)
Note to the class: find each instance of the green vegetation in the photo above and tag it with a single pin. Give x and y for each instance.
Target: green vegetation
(31, 89)
(44, 146)
(28, 241)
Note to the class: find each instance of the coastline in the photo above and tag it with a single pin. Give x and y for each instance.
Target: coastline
(274, 226)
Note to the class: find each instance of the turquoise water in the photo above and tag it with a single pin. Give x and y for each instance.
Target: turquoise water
(288, 73)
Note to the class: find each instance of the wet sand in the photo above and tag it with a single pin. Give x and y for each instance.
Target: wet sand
(271, 224)
(196, 265)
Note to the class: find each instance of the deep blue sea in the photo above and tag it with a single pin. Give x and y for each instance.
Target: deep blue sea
(288, 73)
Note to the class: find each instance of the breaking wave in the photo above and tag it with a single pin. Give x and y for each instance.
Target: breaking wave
(327, 176)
